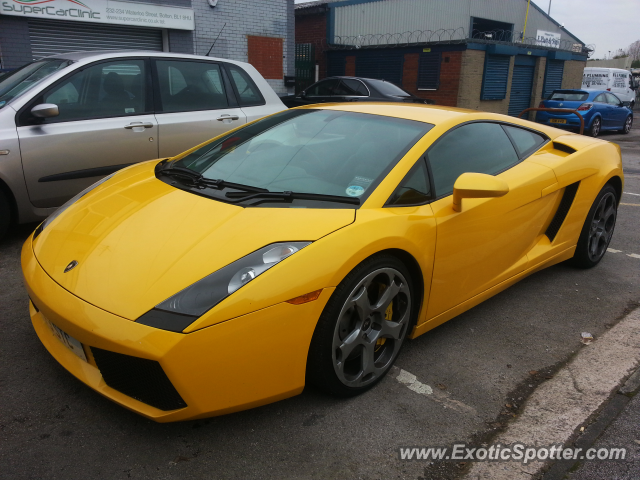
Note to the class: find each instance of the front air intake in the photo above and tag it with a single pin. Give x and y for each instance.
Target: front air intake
(138, 378)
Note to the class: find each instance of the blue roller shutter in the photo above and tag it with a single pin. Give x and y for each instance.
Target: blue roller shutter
(380, 65)
(521, 84)
(429, 71)
(552, 77)
(494, 80)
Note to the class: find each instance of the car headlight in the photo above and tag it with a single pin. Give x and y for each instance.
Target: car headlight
(67, 204)
(179, 311)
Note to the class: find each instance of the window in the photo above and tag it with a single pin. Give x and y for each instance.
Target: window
(388, 88)
(108, 89)
(190, 86)
(414, 188)
(353, 88)
(526, 141)
(600, 99)
(569, 96)
(13, 84)
(248, 94)
(475, 147)
(612, 99)
(323, 89)
(494, 79)
(429, 71)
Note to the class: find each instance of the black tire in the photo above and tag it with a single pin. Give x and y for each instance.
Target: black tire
(346, 327)
(597, 230)
(627, 125)
(596, 126)
(5, 214)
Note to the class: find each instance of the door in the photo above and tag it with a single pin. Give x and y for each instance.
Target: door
(248, 94)
(193, 104)
(601, 106)
(521, 84)
(104, 123)
(487, 242)
(618, 113)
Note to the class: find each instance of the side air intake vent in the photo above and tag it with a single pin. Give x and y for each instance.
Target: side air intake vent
(564, 148)
(138, 378)
(563, 210)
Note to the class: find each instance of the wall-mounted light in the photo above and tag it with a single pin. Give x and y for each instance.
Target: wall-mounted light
(213, 3)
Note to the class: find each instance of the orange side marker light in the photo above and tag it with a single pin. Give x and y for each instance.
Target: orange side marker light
(307, 297)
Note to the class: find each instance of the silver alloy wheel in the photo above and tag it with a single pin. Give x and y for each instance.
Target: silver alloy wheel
(601, 229)
(371, 327)
(627, 124)
(595, 127)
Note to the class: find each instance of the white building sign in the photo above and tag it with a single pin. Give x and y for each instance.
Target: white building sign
(548, 39)
(102, 11)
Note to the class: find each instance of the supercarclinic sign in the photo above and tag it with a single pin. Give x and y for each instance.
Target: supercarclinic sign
(103, 11)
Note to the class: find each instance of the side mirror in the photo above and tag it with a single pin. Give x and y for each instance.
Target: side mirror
(45, 110)
(477, 185)
(625, 104)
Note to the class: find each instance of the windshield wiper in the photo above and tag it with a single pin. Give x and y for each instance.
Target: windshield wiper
(242, 197)
(198, 181)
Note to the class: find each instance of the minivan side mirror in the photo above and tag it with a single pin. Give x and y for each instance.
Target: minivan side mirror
(45, 110)
(477, 185)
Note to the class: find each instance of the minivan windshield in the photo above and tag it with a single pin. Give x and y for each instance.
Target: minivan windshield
(325, 152)
(19, 81)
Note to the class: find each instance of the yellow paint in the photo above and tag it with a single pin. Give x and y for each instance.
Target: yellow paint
(139, 241)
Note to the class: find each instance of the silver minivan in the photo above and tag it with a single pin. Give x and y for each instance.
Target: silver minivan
(68, 120)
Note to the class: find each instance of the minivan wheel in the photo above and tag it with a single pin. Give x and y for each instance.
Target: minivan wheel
(627, 124)
(5, 214)
(594, 131)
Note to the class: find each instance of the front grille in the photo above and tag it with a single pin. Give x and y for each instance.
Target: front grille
(138, 378)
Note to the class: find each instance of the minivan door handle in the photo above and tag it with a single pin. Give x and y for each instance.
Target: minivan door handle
(226, 116)
(139, 124)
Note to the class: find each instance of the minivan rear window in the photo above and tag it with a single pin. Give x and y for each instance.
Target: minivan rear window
(569, 96)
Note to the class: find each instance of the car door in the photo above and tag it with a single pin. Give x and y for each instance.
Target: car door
(602, 107)
(248, 95)
(487, 241)
(105, 122)
(193, 102)
(618, 112)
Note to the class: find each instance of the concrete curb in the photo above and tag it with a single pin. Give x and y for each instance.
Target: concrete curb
(563, 404)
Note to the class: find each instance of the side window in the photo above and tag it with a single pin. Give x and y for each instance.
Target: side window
(109, 89)
(414, 188)
(190, 86)
(526, 141)
(475, 147)
(600, 99)
(612, 99)
(247, 90)
(429, 71)
(352, 87)
(323, 89)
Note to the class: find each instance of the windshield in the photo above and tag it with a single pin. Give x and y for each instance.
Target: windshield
(322, 152)
(387, 88)
(19, 81)
(569, 96)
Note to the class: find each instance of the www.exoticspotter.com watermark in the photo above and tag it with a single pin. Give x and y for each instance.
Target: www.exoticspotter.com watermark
(517, 452)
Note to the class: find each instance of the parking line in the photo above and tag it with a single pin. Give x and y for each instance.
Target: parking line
(633, 255)
(629, 193)
(613, 250)
(631, 204)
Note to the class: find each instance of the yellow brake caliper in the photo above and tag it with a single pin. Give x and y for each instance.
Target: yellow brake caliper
(387, 316)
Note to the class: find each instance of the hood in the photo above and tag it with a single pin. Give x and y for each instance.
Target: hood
(138, 241)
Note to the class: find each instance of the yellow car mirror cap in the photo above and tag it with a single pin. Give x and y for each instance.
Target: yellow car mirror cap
(477, 185)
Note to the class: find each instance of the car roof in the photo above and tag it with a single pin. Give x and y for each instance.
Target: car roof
(106, 54)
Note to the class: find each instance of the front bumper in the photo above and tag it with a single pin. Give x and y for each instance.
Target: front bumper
(245, 362)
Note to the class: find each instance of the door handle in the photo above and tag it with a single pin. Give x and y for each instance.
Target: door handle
(226, 116)
(139, 124)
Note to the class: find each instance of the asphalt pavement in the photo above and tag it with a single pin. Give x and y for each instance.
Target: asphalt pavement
(462, 383)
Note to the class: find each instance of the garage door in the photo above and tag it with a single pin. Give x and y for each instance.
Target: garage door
(53, 37)
(521, 84)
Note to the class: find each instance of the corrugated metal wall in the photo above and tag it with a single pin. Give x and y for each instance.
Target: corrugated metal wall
(398, 16)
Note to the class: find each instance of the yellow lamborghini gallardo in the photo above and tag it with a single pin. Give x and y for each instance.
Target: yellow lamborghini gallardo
(304, 248)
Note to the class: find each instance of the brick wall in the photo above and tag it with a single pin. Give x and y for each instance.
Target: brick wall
(313, 29)
(265, 53)
(181, 41)
(572, 74)
(245, 18)
(350, 66)
(471, 72)
(15, 45)
(447, 92)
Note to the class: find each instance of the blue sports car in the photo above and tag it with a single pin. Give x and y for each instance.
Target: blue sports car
(601, 110)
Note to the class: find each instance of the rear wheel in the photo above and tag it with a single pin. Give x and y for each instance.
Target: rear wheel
(594, 130)
(362, 327)
(627, 124)
(597, 230)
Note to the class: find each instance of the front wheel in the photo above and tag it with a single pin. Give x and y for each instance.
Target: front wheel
(362, 327)
(594, 131)
(597, 230)
(627, 124)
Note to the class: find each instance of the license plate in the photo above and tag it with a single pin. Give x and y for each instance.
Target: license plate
(68, 341)
(557, 120)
